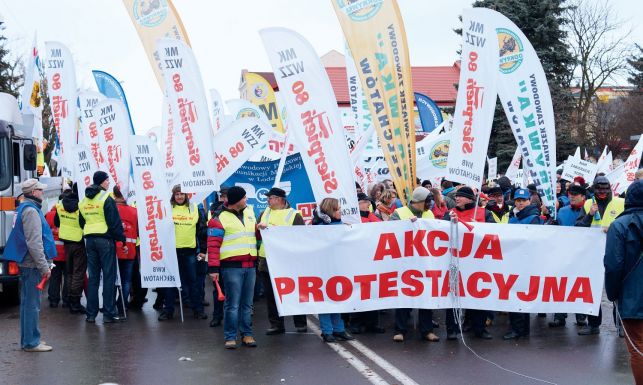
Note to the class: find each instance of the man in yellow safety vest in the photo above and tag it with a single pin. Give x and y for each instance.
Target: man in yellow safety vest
(599, 212)
(70, 231)
(232, 252)
(278, 213)
(102, 228)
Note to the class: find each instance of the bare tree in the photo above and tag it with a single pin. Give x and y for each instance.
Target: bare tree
(601, 52)
(613, 122)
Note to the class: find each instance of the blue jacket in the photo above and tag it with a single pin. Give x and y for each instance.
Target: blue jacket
(567, 215)
(623, 265)
(530, 215)
(16, 248)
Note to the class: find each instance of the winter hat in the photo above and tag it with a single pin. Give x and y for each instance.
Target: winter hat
(494, 191)
(580, 180)
(235, 194)
(465, 192)
(601, 180)
(420, 194)
(363, 197)
(577, 190)
(634, 195)
(100, 177)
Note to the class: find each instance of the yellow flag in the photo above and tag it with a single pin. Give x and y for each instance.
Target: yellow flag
(153, 20)
(375, 33)
(260, 93)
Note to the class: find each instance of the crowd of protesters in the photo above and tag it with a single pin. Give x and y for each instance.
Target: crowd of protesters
(98, 234)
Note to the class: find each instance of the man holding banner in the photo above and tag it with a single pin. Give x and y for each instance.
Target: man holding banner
(278, 213)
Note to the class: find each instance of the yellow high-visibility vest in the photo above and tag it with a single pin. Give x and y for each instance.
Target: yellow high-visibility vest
(238, 238)
(94, 213)
(504, 219)
(284, 217)
(185, 220)
(69, 229)
(406, 213)
(614, 208)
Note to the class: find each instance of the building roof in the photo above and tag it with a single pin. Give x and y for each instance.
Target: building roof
(439, 83)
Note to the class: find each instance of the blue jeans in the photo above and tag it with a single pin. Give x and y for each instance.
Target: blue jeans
(125, 268)
(331, 323)
(101, 255)
(187, 272)
(237, 308)
(29, 308)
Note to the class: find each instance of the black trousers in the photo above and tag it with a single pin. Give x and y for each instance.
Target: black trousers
(478, 319)
(519, 323)
(59, 280)
(273, 314)
(76, 268)
(425, 320)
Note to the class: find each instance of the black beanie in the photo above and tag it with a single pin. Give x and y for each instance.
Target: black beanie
(235, 194)
(100, 177)
(465, 192)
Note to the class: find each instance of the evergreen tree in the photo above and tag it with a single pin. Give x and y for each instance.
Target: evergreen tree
(636, 72)
(542, 22)
(11, 70)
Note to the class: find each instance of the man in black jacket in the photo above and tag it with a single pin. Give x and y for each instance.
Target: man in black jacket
(102, 228)
(624, 273)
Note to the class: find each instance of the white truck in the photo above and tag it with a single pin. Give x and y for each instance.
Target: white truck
(17, 164)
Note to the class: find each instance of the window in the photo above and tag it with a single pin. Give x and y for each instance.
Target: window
(6, 167)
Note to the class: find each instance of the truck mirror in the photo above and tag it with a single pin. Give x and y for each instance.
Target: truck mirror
(30, 153)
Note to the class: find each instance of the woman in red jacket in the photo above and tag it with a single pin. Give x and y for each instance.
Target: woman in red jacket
(126, 252)
(59, 277)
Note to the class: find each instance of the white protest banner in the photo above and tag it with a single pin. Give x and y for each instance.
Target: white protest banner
(87, 100)
(606, 165)
(492, 172)
(237, 142)
(623, 176)
(154, 134)
(169, 145)
(577, 152)
(476, 101)
(84, 167)
(364, 130)
(525, 97)
(113, 134)
(578, 167)
(520, 179)
(61, 85)
(217, 110)
(159, 267)
(512, 170)
(432, 153)
(314, 122)
(401, 264)
(191, 118)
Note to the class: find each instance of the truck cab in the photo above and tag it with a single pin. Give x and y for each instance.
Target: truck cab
(17, 164)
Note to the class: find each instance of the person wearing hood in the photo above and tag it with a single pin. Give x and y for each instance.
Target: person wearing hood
(525, 213)
(126, 255)
(31, 244)
(467, 211)
(59, 280)
(329, 213)
(624, 273)
(599, 212)
(102, 228)
(567, 216)
(232, 254)
(70, 231)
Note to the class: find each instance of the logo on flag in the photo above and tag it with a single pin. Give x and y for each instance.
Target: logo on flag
(511, 49)
(360, 10)
(439, 154)
(150, 13)
(259, 91)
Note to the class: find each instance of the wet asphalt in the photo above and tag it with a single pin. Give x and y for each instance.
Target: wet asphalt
(142, 350)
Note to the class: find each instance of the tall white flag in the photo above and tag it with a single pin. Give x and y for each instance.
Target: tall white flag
(159, 267)
(114, 132)
(476, 101)
(190, 114)
(314, 122)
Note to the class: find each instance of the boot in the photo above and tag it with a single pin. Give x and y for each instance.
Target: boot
(75, 307)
